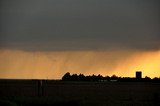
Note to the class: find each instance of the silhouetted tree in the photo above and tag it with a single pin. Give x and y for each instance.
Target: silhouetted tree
(66, 77)
(74, 77)
(93, 77)
(88, 78)
(114, 77)
(107, 78)
(81, 77)
(146, 79)
(156, 79)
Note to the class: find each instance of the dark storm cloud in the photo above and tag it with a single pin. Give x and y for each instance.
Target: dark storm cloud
(79, 24)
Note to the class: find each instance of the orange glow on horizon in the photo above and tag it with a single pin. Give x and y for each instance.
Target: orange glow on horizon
(53, 65)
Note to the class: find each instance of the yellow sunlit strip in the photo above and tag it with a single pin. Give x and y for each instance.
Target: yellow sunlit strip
(53, 65)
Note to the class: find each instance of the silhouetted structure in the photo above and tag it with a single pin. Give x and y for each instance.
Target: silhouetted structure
(138, 74)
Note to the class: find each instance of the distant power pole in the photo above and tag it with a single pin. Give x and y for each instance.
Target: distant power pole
(40, 88)
(138, 74)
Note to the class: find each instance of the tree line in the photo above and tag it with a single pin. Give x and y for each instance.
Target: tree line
(81, 77)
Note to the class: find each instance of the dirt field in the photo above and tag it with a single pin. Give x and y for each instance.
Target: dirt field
(59, 93)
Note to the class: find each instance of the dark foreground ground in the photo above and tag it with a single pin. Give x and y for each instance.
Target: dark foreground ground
(60, 93)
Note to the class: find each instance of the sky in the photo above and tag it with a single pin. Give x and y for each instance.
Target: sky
(47, 38)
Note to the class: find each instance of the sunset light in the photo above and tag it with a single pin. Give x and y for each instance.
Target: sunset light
(52, 65)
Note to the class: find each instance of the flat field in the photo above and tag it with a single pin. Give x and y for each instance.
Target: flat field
(60, 93)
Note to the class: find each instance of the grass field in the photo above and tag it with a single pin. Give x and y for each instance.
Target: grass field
(60, 93)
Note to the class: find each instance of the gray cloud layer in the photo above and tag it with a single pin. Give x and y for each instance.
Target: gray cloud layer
(80, 24)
